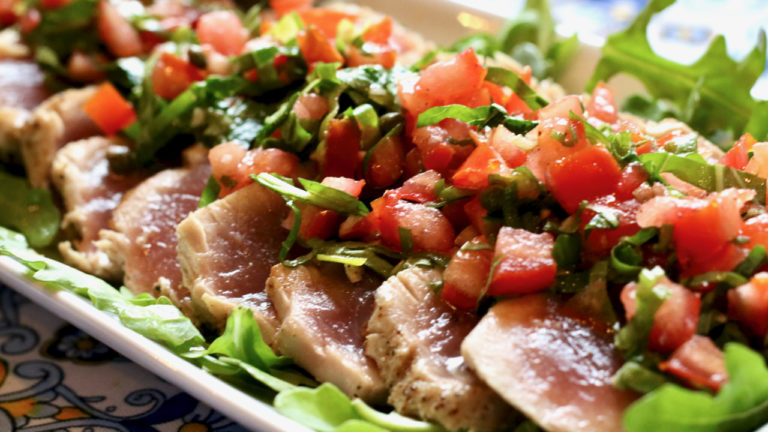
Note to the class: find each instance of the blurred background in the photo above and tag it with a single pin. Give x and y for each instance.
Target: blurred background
(682, 32)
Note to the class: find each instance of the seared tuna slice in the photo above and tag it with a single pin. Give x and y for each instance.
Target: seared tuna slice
(57, 121)
(322, 316)
(226, 250)
(415, 337)
(22, 84)
(90, 193)
(554, 368)
(145, 229)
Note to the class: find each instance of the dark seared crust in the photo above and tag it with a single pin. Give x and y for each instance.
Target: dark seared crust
(423, 384)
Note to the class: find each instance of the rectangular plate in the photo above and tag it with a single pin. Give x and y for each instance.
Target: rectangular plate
(437, 20)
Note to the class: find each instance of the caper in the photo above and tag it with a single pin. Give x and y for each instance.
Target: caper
(121, 159)
(389, 121)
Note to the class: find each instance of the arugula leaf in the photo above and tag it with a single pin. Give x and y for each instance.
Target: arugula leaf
(711, 94)
(156, 319)
(741, 404)
(633, 337)
(314, 193)
(694, 170)
(30, 210)
(489, 115)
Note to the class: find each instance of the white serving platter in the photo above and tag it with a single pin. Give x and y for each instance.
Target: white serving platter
(441, 21)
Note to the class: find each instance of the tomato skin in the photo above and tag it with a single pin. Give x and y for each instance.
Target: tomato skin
(342, 145)
(457, 80)
(118, 34)
(699, 362)
(738, 155)
(172, 76)
(748, 304)
(466, 276)
(602, 104)
(676, 319)
(315, 47)
(385, 165)
(430, 229)
(436, 153)
(325, 19)
(632, 176)
(586, 175)
(109, 110)
(526, 265)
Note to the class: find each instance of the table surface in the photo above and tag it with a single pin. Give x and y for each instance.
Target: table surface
(56, 377)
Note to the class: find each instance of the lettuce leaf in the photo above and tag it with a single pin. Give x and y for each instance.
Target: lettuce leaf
(30, 210)
(741, 405)
(712, 94)
(156, 319)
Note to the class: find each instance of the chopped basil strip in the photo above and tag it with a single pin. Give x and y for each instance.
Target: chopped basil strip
(313, 193)
(508, 78)
(632, 339)
(489, 115)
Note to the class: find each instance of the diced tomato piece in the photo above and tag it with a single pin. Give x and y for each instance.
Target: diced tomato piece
(586, 175)
(342, 145)
(282, 7)
(310, 106)
(372, 53)
(28, 21)
(385, 165)
(466, 275)
(455, 213)
(109, 110)
(526, 265)
(222, 30)
(676, 319)
(503, 141)
(315, 47)
(699, 362)
(476, 214)
(430, 229)
(756, 229)
(632, 177)
(8, 14)
(602, 104)
(225, 160)
(601, 240)
(82, 67)
(738, 156)
(700, 250)
(413, 163)
(421, 187)
(379, 32)
(345, 184)
(474, 172)
(232, 165)
(325, 19)
(357, 227)
(435, 150)
(748, 304)
(172, 76)
(456, 81)
(116, 32)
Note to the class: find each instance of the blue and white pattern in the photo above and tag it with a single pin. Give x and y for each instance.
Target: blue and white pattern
(54, 377)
